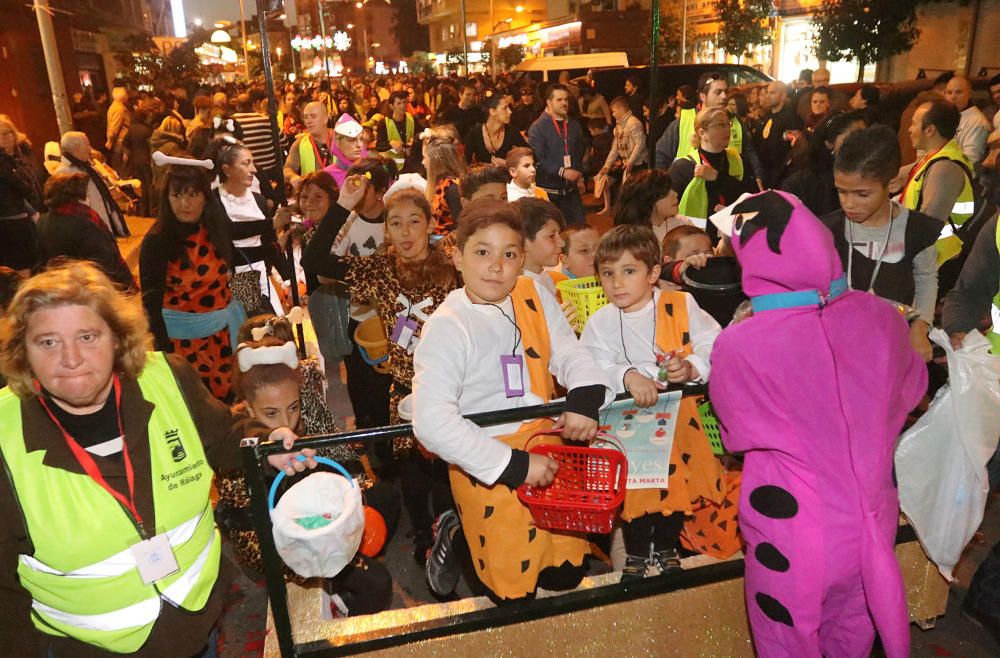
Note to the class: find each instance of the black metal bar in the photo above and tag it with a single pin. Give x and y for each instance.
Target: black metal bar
(484, 419)
(272, 109)
(293, 284)
(274, 575)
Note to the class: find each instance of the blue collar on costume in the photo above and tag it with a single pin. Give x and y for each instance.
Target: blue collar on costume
(799, 298)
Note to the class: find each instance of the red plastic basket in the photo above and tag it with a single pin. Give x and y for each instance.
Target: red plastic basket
(588, 489)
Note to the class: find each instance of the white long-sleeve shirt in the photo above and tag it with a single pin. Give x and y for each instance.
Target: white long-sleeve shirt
(620, 341)
(973, 131)
(457, 372)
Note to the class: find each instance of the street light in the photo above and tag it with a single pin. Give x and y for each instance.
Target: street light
(220, 36)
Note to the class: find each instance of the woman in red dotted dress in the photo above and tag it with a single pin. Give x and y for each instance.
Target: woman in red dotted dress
(184, 270)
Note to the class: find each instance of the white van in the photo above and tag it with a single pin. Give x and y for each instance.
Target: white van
(547, 69)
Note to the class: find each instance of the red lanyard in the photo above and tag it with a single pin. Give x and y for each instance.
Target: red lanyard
(87, 462)
(913, 174)
(319, 158)
(704, 161)
(565, 137)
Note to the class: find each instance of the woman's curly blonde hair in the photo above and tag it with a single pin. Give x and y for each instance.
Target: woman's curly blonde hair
(72, 282)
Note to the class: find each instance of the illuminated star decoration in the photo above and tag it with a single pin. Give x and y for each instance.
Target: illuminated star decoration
(341, 41)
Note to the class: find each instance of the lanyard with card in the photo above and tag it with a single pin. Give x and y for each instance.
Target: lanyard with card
(564, 135)
(512, 365)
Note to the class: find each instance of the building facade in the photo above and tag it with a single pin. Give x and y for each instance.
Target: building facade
(88, 34)
(361, 36)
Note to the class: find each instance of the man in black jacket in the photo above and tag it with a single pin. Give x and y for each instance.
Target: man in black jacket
(559, 148)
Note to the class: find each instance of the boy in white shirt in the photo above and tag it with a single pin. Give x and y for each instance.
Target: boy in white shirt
(580, 241)
(496, 344)
(625, 338)
(521, 167)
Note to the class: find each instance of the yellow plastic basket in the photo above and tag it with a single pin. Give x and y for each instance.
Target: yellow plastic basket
(586, 295)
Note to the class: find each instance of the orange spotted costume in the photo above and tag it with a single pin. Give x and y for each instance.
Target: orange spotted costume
(508, 551)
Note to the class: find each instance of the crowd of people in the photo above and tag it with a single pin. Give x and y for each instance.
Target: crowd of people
(428, 227)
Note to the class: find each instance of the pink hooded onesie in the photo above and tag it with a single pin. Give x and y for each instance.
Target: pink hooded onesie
(814, 389)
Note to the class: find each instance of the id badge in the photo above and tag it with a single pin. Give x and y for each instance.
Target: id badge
(513, 380)
(567, 162)
(155, 559)
(403, 332)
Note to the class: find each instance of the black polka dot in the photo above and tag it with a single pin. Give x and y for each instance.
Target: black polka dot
(694, 423)
(685, 457)
(482, 541)
(482, 565)
(670, 309)
(672, 469)
(768, 555)
(489, 512)
(530, 303)
(208, 301)
(773, 609)
(663, 494)
(202, 270)
(531, 534)
(202, 251)
(524, 565)
(685, 338)
(774, 502)
(532, 353)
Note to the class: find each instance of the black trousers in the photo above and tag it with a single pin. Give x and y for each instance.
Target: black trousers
(368, 389)
(662, 532)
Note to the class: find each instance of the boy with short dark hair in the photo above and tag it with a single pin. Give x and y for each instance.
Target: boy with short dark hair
(543, 243)
(645, 339)
(496, 344)
(579, 244)
(484, 181)
(521, 167)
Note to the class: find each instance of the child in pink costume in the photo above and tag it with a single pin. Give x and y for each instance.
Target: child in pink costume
(813, 389)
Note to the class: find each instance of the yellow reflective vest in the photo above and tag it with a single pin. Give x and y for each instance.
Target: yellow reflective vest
(83, 576)
(948, 244)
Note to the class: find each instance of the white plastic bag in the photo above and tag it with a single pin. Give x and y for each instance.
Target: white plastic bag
(941, 460)
(318, 523)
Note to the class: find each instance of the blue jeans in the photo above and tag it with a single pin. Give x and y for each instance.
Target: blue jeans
(570, 205)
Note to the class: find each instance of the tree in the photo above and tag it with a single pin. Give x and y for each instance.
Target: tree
(510, 56)
(745, 24)
(140, 60)
(411, 35)
(865, 30)
(668, 43)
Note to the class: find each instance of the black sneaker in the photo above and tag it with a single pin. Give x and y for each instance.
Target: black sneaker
(669, 561)
(443, 568)
(635, 569)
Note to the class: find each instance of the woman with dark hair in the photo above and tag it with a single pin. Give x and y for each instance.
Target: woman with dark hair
(139, 164)
(254, 243)
(184, 268)
(489, 142)
(647, 199)
(72, 229)
(812, 170)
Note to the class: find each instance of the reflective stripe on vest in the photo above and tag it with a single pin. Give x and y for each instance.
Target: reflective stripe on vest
(685, 131)
(81, 575)
(392, 133)
(994, 334)
(136, 615)
(119, 563)
(694, 201)
(948, 245)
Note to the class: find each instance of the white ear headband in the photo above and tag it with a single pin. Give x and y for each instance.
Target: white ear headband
(219, 122)
(249, 357)
(294, 316)
(161, 159)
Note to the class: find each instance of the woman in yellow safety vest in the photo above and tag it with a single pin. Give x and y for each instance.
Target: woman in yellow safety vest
(712, 175)
(108, 543)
